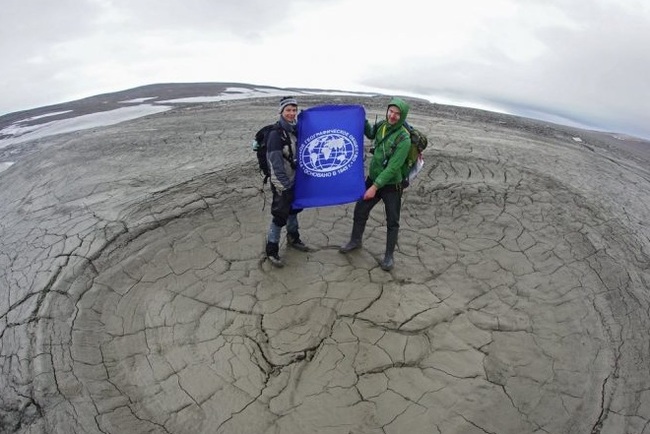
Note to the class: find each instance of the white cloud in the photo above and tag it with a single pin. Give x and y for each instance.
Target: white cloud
(585, 59)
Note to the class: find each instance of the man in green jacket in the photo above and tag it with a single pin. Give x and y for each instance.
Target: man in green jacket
(392, 144)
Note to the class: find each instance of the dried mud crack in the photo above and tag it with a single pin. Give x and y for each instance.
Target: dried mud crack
(135, 296)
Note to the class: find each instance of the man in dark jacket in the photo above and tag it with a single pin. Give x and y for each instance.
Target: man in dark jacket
(281, 151)
(392, 144)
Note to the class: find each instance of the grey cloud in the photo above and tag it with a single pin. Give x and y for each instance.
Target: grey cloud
(27, 26)
(248, 19)
(593, 71)
(595, 74)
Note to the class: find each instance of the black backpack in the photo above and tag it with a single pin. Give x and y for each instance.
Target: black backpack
(259, 146)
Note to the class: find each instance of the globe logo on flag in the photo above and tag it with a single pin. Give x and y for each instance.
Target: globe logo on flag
(328, 153)
(329, 156)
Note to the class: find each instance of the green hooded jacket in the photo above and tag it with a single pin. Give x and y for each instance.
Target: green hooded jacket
(386, 165)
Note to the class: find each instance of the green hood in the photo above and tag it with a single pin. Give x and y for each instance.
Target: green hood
(403, 108)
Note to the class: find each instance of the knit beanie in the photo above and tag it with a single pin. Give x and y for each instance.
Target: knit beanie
(287, 100)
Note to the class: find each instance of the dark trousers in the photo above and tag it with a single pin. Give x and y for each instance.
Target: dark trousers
(281, 206)
(391, 195)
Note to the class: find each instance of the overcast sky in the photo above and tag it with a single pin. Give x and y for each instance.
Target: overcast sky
(580, 61)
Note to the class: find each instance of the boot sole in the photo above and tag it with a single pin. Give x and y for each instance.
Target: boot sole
(276, 263)
(300, 248)
(386, 267)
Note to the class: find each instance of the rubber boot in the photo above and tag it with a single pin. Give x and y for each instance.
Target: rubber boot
(388, 262)
(355, 238)
(272, 253)
(293, 240)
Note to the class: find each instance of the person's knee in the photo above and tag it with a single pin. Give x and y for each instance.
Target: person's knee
(392, 222)
(280, 221)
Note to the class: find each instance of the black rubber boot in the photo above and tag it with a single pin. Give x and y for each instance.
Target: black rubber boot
(272, 253)
(388, 262)
(293, 240)
(355, 238)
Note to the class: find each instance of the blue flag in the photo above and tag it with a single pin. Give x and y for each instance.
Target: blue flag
(330, 156)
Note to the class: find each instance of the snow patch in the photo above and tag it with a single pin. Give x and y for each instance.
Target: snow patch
(138, 100)
(21, 133)
(5, 165)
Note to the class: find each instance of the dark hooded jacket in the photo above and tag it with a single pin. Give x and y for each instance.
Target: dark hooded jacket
(281, 151)
(392, 144)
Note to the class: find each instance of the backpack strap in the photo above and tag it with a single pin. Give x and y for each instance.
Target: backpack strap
(286, 141)
(393, 146)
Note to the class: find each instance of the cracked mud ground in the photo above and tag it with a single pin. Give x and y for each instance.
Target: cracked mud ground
(134, 297)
